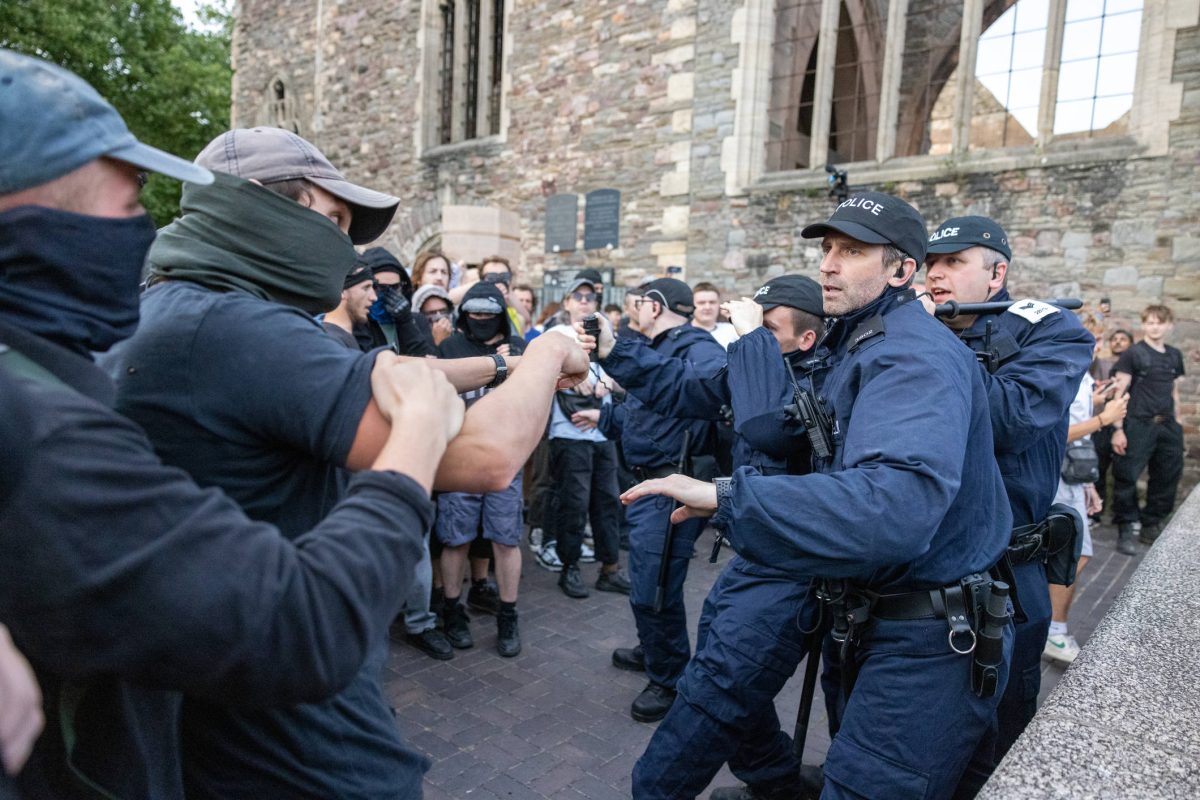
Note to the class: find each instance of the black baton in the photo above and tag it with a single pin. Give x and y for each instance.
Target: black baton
(952, 309)
(664, 566)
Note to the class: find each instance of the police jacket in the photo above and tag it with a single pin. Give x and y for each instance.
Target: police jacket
(754, 385)
(1041, 354)
(911, 497)
(126, 584)
(651, 439)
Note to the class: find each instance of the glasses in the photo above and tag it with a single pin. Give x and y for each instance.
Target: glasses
(584, 297)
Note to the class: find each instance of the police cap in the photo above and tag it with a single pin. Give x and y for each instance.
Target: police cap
(959, 233)
(793, 291)
(672, 293)
(876, 218)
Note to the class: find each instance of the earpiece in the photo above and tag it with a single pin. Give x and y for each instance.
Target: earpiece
(899, 273)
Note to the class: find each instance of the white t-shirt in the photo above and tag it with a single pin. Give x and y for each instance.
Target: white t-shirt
(1073, 494)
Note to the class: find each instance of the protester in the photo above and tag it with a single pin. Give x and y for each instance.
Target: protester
(1119, 341)
(1151, 436)
(434, 305)
(358, 294)
(431, 268)
(483, 329)
(708, 314)
(301, 415)
(391, 320)
(523, 300)
(121, 581)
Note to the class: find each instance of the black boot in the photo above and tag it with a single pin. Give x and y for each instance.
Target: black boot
(483, 597)
(653, 703)
(629, 658)
(457, 632)
(432, 643)
(1126, 533)
(1150, 532)
(508, 636)
(784, 791)
(437, 605)
(571, 582)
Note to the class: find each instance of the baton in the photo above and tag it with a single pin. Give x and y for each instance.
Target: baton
(952, 308)
(806, 693)
(664, 566)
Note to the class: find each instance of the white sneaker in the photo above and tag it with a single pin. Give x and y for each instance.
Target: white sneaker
(547, 558)
(586, 554)
(1061, 648)
(535, 539)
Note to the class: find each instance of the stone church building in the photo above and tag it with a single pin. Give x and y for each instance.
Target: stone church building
(1076, 123)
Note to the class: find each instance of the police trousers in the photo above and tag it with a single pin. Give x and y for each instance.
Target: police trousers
(663, 635)
(748, 644)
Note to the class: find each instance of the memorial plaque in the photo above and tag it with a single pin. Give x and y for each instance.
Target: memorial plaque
(602, 220)
(562, 223)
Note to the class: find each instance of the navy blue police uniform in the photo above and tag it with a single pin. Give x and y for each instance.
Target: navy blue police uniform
(900, 525)
(652, 443)
(1032, 358)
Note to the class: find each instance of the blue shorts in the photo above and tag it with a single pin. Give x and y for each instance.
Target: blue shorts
(496, 516)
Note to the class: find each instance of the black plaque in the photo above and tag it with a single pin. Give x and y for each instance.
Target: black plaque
(562, 223)
(602, 220)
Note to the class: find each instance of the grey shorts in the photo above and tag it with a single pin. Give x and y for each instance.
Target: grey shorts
(497, 516)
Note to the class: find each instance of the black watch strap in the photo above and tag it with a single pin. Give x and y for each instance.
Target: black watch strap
(501, 371)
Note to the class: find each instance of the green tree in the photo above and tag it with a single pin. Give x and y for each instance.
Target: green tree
(171, 83)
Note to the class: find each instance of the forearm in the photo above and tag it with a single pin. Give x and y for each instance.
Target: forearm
(467, 374)
(502, 429)
(1085, 428)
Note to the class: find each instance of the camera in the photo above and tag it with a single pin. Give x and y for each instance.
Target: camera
(839, 189)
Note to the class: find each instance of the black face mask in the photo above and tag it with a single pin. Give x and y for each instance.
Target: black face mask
(71, 278)
(481, 330)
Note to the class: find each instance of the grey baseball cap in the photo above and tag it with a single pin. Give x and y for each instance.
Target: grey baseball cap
(268, 155)
(52, 122)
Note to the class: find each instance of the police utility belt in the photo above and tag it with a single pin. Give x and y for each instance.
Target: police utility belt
(1057, 541)
(975, 608)
(650, 473)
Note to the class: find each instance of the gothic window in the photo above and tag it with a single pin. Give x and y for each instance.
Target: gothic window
(470, 62)
(280, 109)
(868, 80)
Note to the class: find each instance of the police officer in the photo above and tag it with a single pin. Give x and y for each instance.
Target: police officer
(652, 444)
(1031, 358)
(751, 634)
(900, 522)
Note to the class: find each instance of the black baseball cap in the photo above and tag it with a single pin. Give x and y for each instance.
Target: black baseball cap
(674, 294)
(591, 275)
(959, 233)
(793, 291)
(876, 218)
(359, 273)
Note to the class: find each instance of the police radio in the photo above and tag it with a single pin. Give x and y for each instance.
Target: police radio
(806, 410)
(591, 326)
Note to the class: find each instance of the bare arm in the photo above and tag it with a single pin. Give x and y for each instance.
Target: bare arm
(466, 374)
(1114, 411)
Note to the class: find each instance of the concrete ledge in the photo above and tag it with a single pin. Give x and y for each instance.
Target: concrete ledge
(1124, 721)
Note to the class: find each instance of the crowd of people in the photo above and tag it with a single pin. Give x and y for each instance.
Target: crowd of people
(238, 450)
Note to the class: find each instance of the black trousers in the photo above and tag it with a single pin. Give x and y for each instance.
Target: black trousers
(1102, 439)
(585, 486)
(1158, 446)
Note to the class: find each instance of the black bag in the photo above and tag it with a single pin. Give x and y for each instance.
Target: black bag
(1063, 543)
(570, 402)
(1081, 464)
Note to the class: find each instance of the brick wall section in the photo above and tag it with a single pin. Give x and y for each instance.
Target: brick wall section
(637, 97)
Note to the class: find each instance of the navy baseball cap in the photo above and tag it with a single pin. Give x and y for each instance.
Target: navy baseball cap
(268, 155)
(876, 218)
(959, 233)
(793, 291)
(673, 293)
(53, 122)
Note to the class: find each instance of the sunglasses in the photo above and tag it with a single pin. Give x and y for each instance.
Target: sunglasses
(584, 297)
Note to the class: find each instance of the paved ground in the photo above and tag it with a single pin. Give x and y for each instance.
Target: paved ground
(554, 721)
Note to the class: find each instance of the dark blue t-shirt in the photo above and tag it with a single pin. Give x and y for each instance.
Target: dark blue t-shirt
(254, 397)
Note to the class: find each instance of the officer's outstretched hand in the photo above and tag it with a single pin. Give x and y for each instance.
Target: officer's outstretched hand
(21, 716)
(607, 339)
(745, 315)
(698, 498)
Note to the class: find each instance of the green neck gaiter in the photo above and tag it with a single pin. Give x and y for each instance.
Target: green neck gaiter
(235, 235)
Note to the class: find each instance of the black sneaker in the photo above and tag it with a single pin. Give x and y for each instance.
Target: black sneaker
(653, 703)
(508, 636)
(1149, 533)
(483, 597)
(457, 631)
(432, 643)
(631, 659)
(571, 583)
(1126, 533)
(613, 582)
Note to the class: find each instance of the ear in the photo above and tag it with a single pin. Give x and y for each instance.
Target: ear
(808, 339)
(996, 281)
(904, 273)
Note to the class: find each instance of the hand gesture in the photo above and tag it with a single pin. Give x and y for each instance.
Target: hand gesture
(699, 498)
(602, 347)
(442, 330)
(413, 394)
(586, 420)
(21, 718)
(1115, 410)
(744, 314)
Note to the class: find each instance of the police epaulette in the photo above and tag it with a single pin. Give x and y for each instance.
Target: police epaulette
(867, 329)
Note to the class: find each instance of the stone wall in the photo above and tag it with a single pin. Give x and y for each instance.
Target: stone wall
(643, 96)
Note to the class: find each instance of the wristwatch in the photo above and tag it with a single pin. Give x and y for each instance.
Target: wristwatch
(501, 371)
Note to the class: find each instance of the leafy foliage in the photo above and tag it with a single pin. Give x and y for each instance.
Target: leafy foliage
(170, 82)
